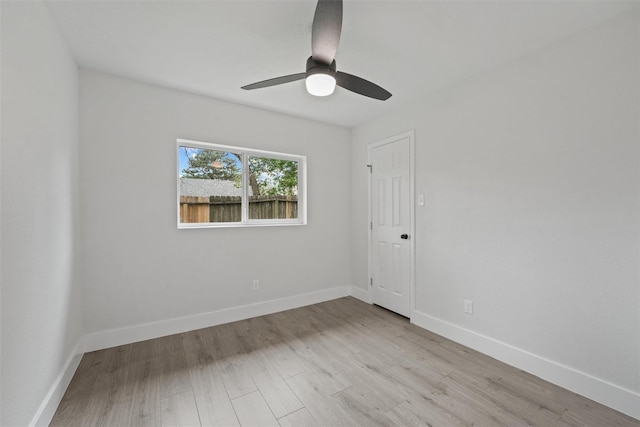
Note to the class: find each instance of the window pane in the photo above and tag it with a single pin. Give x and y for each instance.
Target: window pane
(210, 185)
(273, 188)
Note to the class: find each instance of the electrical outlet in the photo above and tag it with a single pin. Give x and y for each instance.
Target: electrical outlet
(256, 285)
(468, 306)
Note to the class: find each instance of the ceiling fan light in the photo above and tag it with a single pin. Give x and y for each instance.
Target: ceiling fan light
(320, 84)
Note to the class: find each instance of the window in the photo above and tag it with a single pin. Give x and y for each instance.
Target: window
(220, 186)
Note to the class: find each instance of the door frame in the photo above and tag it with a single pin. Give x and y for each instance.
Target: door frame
(412, 241)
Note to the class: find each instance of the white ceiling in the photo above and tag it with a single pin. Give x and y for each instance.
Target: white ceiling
(410, 48)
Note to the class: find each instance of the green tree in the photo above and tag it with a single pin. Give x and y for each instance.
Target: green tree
(210, 164)
(275, 176)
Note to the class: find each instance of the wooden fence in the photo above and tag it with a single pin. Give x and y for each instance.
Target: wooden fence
(229, 208)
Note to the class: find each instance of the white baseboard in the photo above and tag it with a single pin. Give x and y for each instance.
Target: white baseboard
(611, 395)
(361, 294)
(115, 337)
(48, 407)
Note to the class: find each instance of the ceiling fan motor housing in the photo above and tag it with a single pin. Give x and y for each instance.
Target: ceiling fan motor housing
(314, 67)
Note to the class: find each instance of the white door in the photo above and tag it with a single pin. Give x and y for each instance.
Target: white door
(392, 223)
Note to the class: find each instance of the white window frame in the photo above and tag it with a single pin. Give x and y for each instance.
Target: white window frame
(246, 152)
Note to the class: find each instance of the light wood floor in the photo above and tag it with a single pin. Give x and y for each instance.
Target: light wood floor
(341, 362)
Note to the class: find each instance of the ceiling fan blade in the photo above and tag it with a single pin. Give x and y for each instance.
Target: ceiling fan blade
(325, 34)
(361, 86)
(276, 81)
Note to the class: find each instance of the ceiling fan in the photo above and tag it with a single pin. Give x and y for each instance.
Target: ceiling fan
(321, 76)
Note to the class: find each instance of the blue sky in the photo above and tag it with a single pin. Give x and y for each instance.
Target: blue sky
(182, 160)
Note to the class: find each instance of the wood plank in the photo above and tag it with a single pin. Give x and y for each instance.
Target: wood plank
(585, 412)
(173, 375)
(379, 393)
(76, 398)
(233, 365)
(299, 418)
(320, 405)
(179, 410)
(511, 409)
(145, 350)
(272, 343)
(100, 401)
(356, 403)
(144, 389)
(274, 389)
(212, 400)
(253, 411)
(119, 414)
(423, 413)
(470, 404)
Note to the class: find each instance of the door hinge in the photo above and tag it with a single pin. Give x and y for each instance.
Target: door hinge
(371, 282)
(371, 225)
(370, 168)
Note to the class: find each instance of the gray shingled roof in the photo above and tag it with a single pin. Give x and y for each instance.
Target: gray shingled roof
(208, 187)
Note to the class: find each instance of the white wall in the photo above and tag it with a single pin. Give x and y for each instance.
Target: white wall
(138, 267)
(531, 178)
(41, 296)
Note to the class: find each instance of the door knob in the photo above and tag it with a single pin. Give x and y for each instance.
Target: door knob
(404, 236)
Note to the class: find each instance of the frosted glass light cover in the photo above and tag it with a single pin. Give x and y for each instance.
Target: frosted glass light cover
(320, 84)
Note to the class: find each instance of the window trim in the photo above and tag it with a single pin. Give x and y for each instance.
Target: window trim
(246, 152)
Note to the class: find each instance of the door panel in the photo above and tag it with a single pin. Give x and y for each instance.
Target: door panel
(391, 218)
